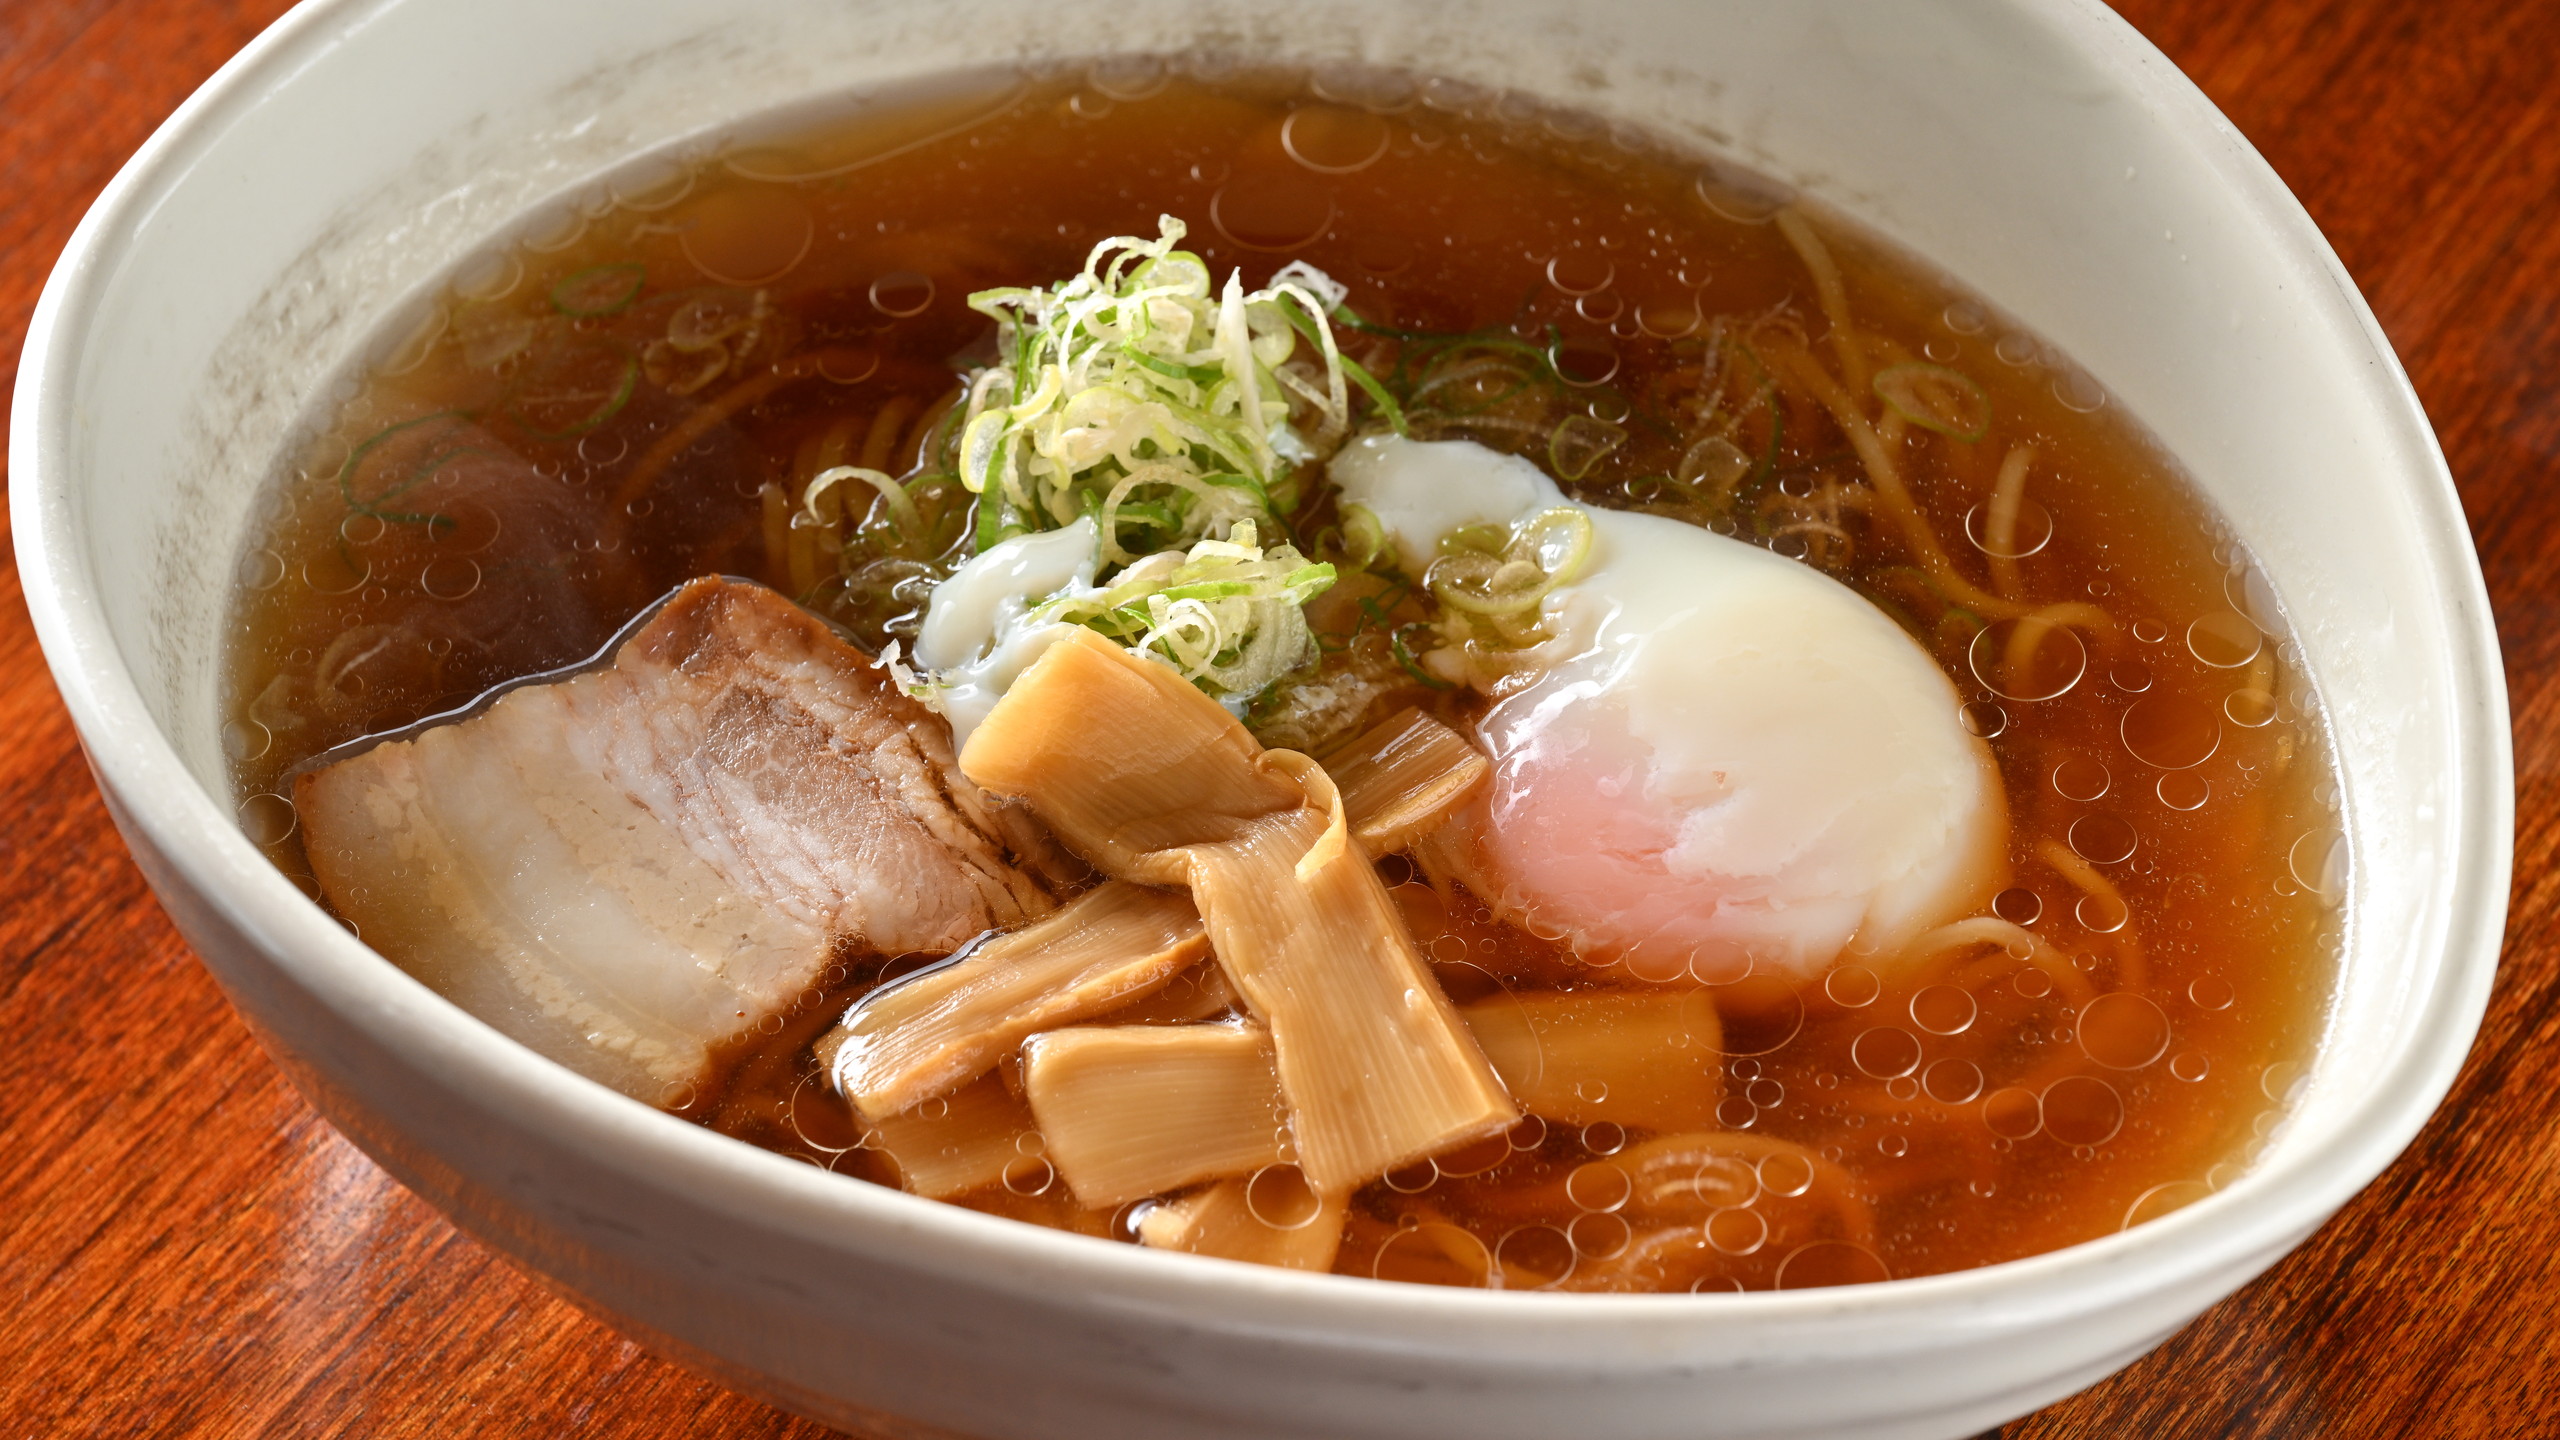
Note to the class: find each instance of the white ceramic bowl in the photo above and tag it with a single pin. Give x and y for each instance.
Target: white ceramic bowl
(2038, 149)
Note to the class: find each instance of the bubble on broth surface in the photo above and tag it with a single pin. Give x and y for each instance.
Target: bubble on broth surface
(1944, 1009)
(902, 293)
(1670, 319)
(2101, 914)
(2018, 905)
(2319, 861)
(261, 569)
(1741, 195)
(2016, 661)
(1852, 986)
(1534, 1257)
(1579, 272)
(2184, 790)
(1334, 141)
(2172, 731)
(2123, 1031)
(1413, 1179)
(1826, 1263)
(2281, 1081)
(551, 233)
(1272, 211)
(2225, 640)
(2082, 1110)
(2081, 778)
(1128, 77)
(2189, 1066)
(336, 573)
(267, 819)
(450, 578)
(244, 740)
(1279, 1196)
(2211, 992)
(1601, 309)
(1600, 1237)
(1029, 1175)
(1885, 1051)
(1964, 317)
(2164, 1199)
(2249, 709)
(1598, 1186)
(2102, 839)
(1737, 1232)
(1724, 1180)
(2013, 1113)
(2079, 391)
(1435, 1253)
(1952, 1081)
(1583, 360)
(2029, 533)
(749, 236)
(2250, 595)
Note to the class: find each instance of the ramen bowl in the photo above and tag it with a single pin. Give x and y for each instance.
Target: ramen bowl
(2036, 149)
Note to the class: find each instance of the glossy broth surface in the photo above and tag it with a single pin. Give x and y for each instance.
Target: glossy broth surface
(637, 388)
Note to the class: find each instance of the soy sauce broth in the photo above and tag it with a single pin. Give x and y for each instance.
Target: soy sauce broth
(631, 390)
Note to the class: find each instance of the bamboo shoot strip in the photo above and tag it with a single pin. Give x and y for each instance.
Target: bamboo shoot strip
(1113, 946)
(958, 1144)
(1131, 1111)
(1649, 1060)
(1199, 993)
(1402, 777)
(1152, 781)
(932, 1034)
(1127, 763)
(1234, 1219)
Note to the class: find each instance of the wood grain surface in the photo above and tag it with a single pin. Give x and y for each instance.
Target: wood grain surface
(186, 1249)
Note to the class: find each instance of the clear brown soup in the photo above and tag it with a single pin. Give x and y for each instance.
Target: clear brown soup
(631, 392)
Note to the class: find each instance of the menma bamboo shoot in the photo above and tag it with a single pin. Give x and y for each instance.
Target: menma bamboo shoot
(1152, 781)
(1130, 1111)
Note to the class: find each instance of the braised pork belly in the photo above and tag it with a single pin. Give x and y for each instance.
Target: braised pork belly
(626, 866)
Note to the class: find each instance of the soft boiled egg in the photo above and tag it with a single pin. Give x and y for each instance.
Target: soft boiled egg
(1726, 760)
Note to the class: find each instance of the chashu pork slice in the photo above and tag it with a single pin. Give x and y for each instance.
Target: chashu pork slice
(627, 866)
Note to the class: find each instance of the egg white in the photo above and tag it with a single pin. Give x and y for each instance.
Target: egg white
(1726, 760)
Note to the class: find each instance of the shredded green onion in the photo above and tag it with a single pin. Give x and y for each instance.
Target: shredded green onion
(1228, 614)
(1580, 442)
(902, 506)
(1135, 394)
(1515, 571)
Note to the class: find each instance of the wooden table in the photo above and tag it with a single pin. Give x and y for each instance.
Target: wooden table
(186, 1249)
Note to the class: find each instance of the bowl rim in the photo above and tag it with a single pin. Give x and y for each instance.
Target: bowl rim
(2244, 1226)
